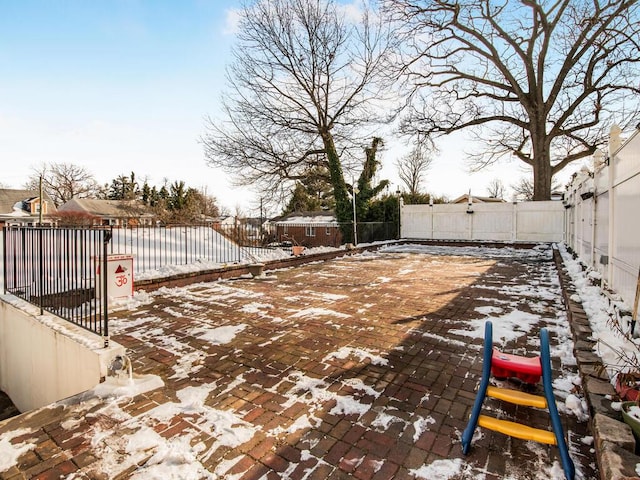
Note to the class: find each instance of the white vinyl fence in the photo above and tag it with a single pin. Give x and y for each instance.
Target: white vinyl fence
(509, 222)
(603, 215)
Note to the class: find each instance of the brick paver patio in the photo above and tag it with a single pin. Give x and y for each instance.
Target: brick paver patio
(344, 369)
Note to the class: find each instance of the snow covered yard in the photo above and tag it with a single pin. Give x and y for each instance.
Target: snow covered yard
(360, 367)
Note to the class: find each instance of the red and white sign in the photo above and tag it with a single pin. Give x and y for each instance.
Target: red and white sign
(119, 276)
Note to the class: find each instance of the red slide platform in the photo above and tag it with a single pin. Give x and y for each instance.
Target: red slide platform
(504, 365)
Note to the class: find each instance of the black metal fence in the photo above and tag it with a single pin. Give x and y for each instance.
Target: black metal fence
(57, 269)
(333, 234)
(369, 232)
(155, 247)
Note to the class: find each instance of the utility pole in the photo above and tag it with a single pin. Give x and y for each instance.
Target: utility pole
(355, 228)
(40, 200)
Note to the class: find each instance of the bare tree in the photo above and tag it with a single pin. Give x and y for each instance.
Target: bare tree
(413, 167)
(304, 79)
(541, 80)
(496, 189)
(64, 181)
(523, 189)
(76, 219)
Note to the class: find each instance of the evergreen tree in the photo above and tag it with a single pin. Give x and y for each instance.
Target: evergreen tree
(124, 188)
(313, 192)
(366, 191)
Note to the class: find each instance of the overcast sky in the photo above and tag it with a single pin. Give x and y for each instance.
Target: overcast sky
(124, 85)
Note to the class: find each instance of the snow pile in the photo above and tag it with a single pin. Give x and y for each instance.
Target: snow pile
(539, 252)
(127, 387)
(612, 347)
(361, 354)
(445, 470)
(506, 328)
(175, 460)
(9, 452)
(121, 441)
(138, 299)
(217, 251)
(420, 426)
(221, 335)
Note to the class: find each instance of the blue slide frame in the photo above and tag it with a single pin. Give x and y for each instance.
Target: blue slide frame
(547, 383)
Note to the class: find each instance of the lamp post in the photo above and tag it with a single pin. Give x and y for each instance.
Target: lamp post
(399, 211)
(355, 228)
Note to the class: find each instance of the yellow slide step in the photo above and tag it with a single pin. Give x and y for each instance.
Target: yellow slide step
(517, 397)
(517, 430)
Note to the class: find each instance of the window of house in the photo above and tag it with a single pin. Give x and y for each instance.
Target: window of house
(310, 231)
(286, 228)
(328, 231)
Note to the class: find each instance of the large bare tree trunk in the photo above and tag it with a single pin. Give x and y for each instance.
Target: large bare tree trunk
(542, 169)
(542, 181)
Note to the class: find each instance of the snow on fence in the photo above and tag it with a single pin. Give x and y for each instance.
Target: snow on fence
(513, 222)
(602, 225)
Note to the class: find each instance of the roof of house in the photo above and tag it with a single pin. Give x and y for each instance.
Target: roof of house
(320, 216)
(476, 199)
(11, 201)
(106, 208)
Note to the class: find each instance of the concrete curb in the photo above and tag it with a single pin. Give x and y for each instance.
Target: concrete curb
(614, 443)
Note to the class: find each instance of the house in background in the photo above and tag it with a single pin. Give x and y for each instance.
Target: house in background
(117, 213)
(22, 207)
(310, 229)
(226, 220)
(475, 199)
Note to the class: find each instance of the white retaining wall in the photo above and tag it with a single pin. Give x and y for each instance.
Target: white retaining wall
(510, 222)
(44, 359)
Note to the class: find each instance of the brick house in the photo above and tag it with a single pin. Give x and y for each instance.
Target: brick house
(310, 229)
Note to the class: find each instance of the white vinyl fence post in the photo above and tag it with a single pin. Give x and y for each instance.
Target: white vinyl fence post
(614, 145)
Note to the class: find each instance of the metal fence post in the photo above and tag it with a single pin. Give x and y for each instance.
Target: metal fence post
(41, 270)
(106, 236)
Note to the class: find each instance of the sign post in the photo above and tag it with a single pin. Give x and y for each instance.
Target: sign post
(119, 276)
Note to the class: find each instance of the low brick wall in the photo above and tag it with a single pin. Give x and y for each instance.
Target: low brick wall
(236, 271)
